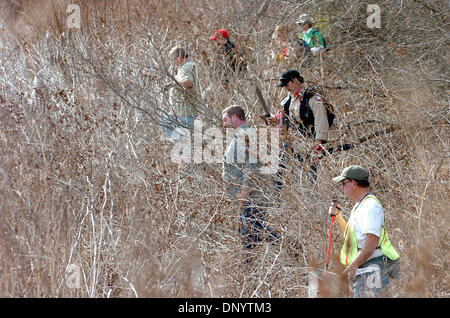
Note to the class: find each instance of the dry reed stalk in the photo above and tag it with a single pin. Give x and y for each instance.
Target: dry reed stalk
(86, 179)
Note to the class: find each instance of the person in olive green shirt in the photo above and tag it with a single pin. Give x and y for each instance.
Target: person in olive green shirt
(183, 95)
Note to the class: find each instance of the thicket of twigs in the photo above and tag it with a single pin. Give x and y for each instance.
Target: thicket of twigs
(86, 179)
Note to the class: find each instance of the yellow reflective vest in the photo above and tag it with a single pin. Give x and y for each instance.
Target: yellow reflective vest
(349, 249)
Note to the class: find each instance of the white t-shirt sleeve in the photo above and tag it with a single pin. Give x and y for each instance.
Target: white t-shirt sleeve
(369, 220)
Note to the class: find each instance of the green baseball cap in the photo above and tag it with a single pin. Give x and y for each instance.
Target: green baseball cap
(354, 173)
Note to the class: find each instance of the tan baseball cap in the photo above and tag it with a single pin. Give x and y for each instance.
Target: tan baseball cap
(304, 18)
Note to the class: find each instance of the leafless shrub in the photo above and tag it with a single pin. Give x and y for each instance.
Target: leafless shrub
(86, 179)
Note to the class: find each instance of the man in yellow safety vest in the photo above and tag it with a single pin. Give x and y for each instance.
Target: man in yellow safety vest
(367, 252)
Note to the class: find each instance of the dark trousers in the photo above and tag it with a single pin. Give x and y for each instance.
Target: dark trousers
(251, 226)
(312, 173)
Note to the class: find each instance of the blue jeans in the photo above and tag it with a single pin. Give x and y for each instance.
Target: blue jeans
(170, 123)
(251, 229)
(370, 278)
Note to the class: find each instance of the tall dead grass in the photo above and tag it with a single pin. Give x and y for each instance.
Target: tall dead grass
(86, 180)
